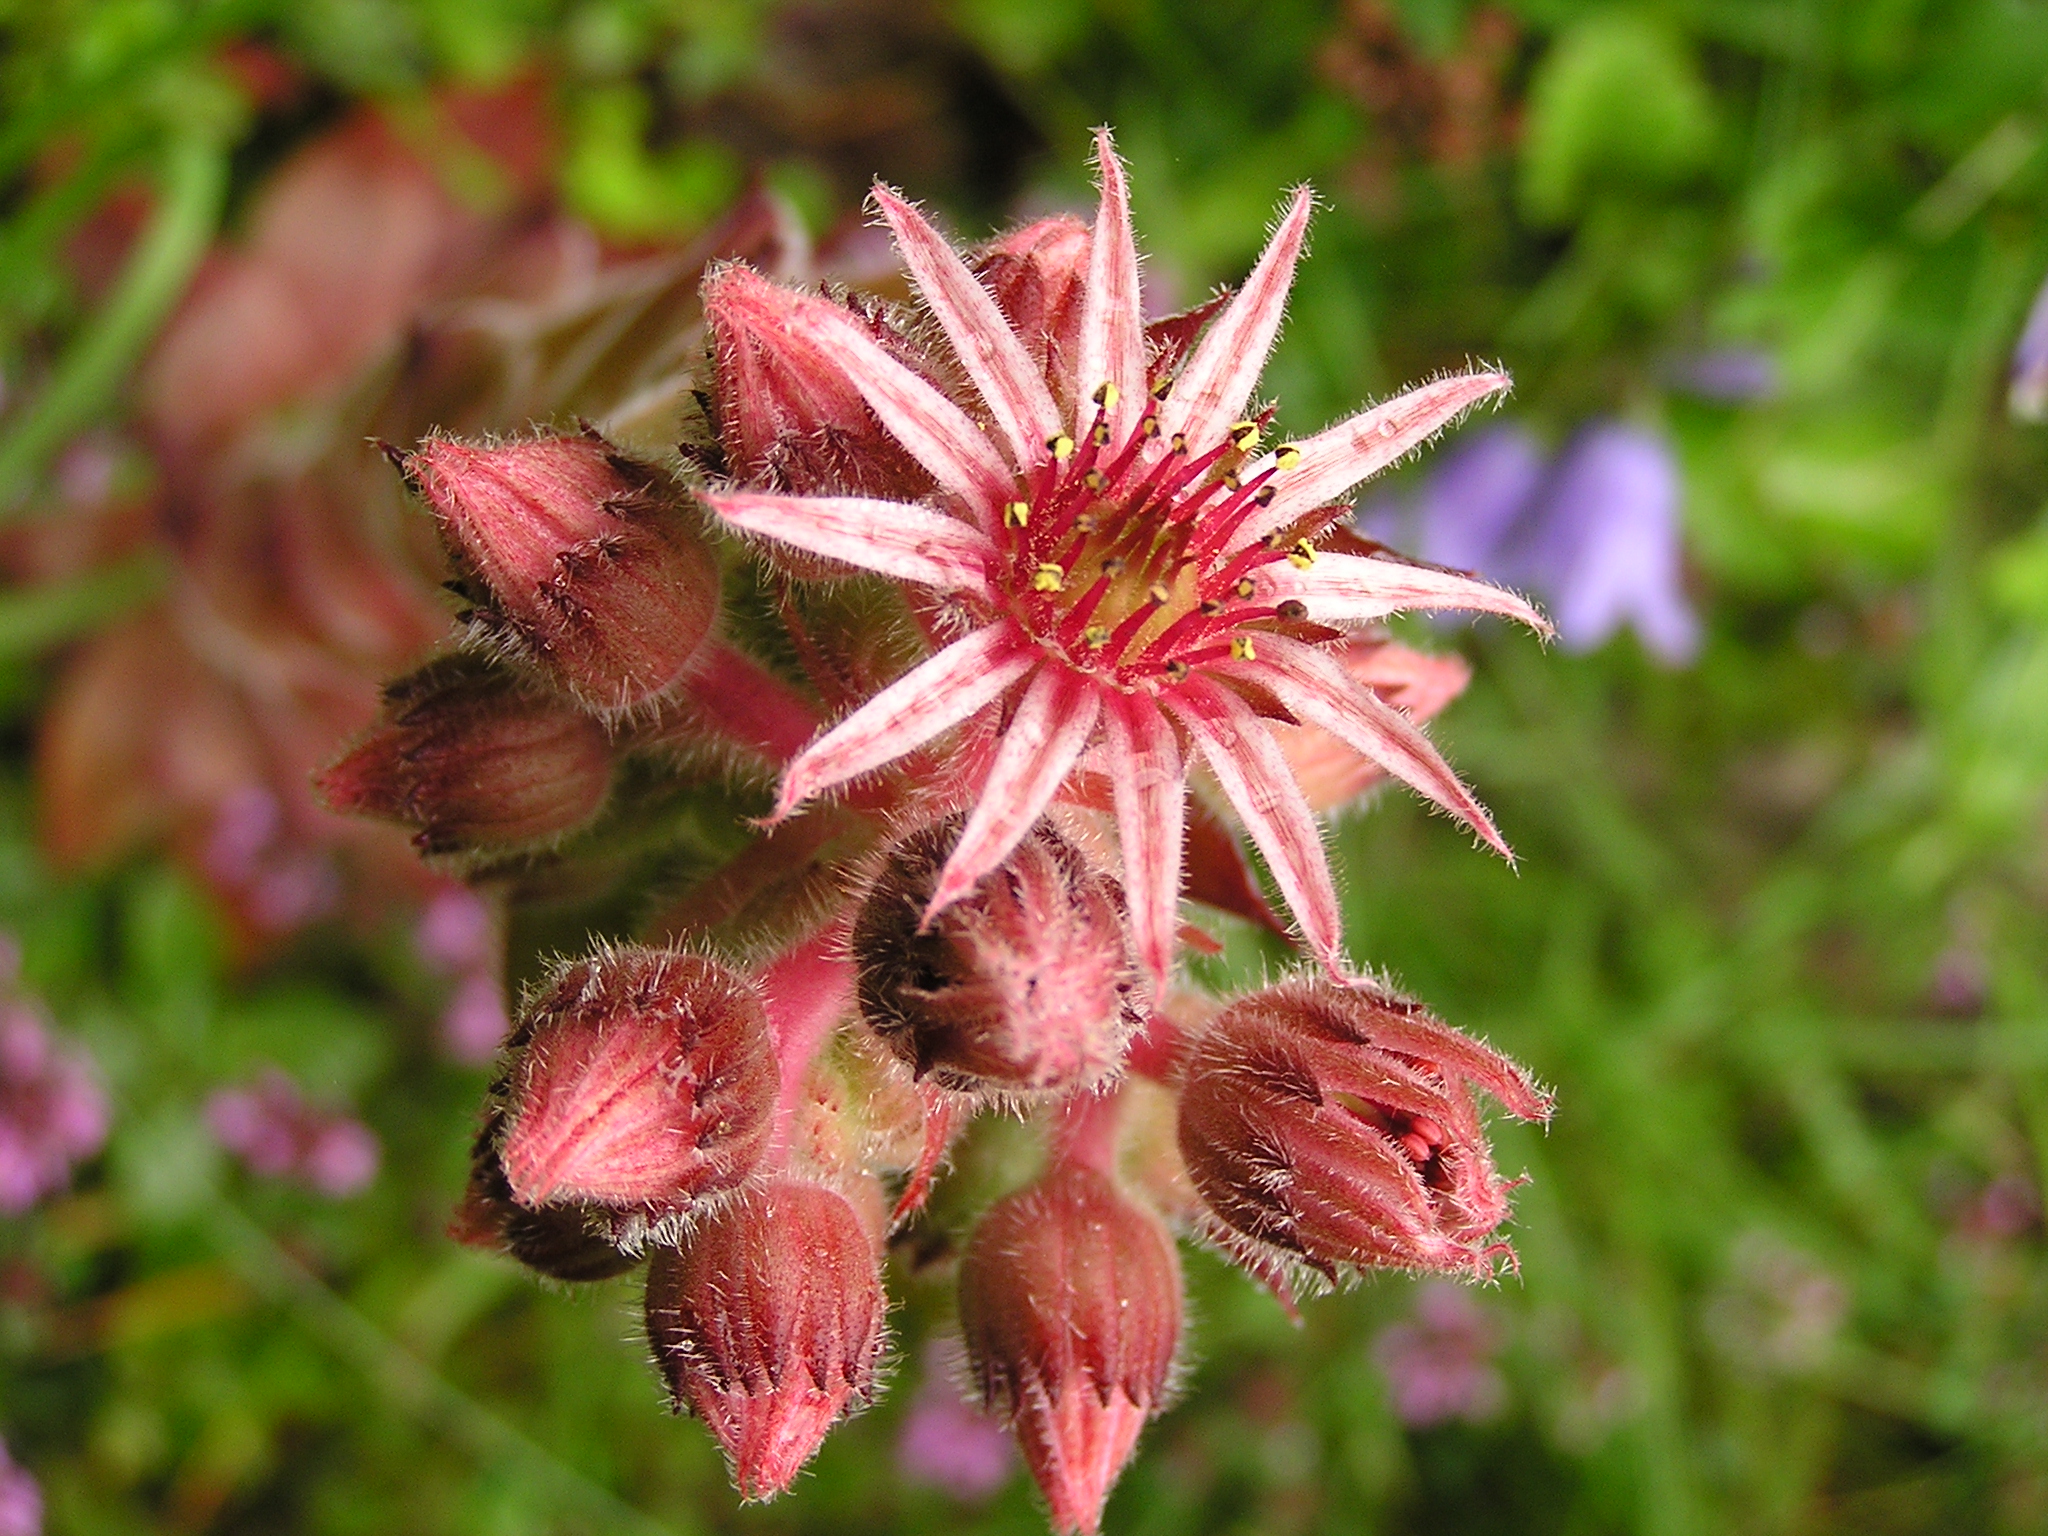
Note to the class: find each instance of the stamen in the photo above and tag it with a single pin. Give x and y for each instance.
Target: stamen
(1244, 435)
(1016, 514)
(1286, 457)
(1106, 395)
(1241, 648)
(1302, 555)
(1176, 671)
(1294, 610)
(1095, 636)
(1060, 446)
(1048, 578)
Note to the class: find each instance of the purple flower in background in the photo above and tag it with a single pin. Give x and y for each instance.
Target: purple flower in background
(1595, 532)
(1468, 510)
(278, 1135)
(21, 1501)
(457, 935)
(946, 1442)
(1602, 542)
(280, 888)
(1439, 1364)
(53, 1113)
(1727, 375)
(2027, 396)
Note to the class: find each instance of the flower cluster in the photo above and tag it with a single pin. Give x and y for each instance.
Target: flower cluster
(53, 1113)
(1104, 579)
(277, 1134)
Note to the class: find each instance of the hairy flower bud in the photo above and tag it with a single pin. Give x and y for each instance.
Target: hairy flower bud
(644, 1082)
(562, 1242)
(589, 568)
(1329, 1124)
(475, 761)
(1025, 983)
(766, 1323)
(788, 417)
(1070, 1303)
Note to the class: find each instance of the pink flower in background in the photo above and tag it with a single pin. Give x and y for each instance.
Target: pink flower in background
(1439, 1364)
(946, 1442)
(21, 1501)
(457, 935)
(1127, 558)
(279, 886)
(53, 1113)
(278, 1135)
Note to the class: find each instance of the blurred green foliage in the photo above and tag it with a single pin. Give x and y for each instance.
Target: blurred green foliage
(1778, 934)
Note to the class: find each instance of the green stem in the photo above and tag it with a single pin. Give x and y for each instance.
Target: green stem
(33, 617)
(195, 183)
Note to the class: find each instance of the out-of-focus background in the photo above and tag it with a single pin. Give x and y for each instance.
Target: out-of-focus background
(1778, 935)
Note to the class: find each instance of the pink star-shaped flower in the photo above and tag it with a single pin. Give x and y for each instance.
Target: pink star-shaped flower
(1135, 565)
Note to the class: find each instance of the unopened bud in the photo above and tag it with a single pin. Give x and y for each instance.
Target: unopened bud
(789, 419)
(474, 760)
(562, 1242)
(592, 572)
(644, 1082)
(1070, 1303)
(766, 1323)
(1330, 1125)
(1025, 984)
(1036, 274)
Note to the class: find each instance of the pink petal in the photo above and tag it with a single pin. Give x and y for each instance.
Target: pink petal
(1356, 589)
(938, 434)
(804, 990)
(936, 694)
(1212, 390)
(894, 538)
(1039, 749)
(1254, 777)
(994, 358)
(1151, 789)
(1319, 692)
(1337, 458)
(1112, 324)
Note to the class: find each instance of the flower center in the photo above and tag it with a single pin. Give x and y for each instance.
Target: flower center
(1119, 552)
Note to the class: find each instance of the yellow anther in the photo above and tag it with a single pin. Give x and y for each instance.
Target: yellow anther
(1061, 446)
(1161, 387)
(1048, 578)
(1096, 636)
(1244, 587)
(1211, 607)
(1107, 396)
(1286, 456)
(1263, 496)
(1084, 522)
(1179, 442)
(1303, 555)
(1177, 671)
(1231, 482)
(1149, 426)
(1244, 436)
(1016, 514)
(1113, 566)
(1241, 648)
(1100, 434)
(1158, 595)
(1095, 480)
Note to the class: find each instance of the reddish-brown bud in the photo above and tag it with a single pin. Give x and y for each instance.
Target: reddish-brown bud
(789, 419)
(1070, 1302)
(1330, 1125)
(475, 760)
(589, 566)
(562, 1242)
(644, 1082)
(766, 1323)
(1037, 273)
(1026, 984)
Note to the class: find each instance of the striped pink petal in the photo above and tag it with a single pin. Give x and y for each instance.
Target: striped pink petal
(1213, 389)
(1320, 692)
(1150, 790)
(893, 538)
(1254, 776)
(1039, 749)
(1112, 349)
(1356, 589)
(989, 350)
(937, 433)
(933, 696)
(1339, 457)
